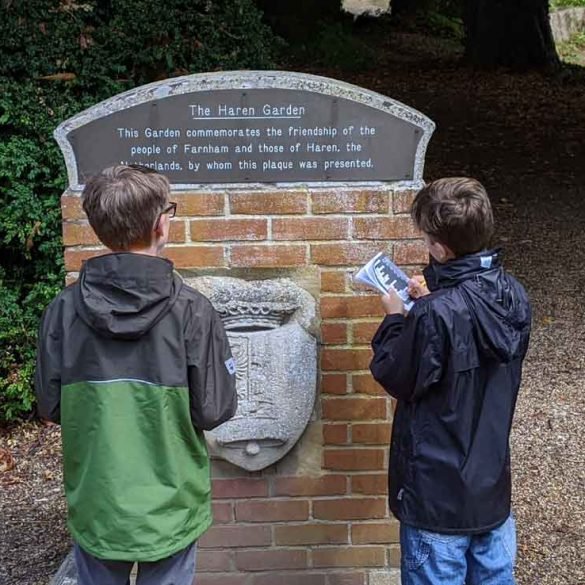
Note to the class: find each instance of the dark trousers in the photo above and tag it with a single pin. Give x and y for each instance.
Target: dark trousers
(178, 569)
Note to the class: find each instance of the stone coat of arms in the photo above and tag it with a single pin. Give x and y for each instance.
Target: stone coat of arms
(268, 325)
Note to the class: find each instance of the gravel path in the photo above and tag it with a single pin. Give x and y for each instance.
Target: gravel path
(524, 137)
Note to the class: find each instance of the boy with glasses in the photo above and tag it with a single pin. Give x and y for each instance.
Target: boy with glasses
(134, 365)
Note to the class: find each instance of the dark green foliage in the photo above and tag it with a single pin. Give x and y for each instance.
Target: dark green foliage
(443, 18)
(58, 57)
(560, 4)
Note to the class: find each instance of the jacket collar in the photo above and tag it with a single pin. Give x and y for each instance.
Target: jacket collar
(454, 271)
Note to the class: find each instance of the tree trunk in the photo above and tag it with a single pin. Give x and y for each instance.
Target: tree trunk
(509, 33)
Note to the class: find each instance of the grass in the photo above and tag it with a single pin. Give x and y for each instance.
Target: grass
(573, 51)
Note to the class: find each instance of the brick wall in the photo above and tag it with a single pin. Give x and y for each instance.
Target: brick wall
(320, 516)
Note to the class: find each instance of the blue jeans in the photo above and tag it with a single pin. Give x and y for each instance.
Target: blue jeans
(178, 569)
(429, 558)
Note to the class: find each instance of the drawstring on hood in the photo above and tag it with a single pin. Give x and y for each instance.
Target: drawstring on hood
(123, 295)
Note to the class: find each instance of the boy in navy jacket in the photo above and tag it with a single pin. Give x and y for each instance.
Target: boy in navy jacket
(454, 364)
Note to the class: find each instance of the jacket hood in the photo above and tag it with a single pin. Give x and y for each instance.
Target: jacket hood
(497, 303)
(124, 295)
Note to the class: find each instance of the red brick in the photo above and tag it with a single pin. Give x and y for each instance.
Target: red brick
(334, 333)
(177, 231)
(402, 201)
(358, 408)
(351, 307)
(303, 578)
(305, 534)
(394, 557)
(272, 511)
(224, 536)
(345, 359)
(197, 204)
(71, 208)
(345, 253)
(346, 578)
(270, 560)
(364, 331)
(327, 485)
(334, 383)
(268, 256)
(335, 434)
(357, 201)
(333, 281)
(195, 256)
(214, 561)
(350, 509)
(376, 533)
(371, 433)
(365, 384)
(79, 234)
(411, 253)
(74, 257)
(269, 203)
(372, 484)
(222, 513)
(311, 228)
(220, 579)
(354, 459)
(363, 556)
(221, 230)
(244, 487)
(384, 228)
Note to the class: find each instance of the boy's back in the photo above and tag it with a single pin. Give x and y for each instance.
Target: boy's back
(134, 365)
(456, 375)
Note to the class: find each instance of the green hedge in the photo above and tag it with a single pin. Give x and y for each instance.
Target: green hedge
(58, 57)
(558, 4)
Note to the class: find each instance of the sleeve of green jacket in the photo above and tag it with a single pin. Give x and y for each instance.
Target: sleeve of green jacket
(48, 367)
(211, 370)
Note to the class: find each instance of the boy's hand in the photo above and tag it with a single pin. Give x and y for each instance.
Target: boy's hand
(393, 304)
(417, 287)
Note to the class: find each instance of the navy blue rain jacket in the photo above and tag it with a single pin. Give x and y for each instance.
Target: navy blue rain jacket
(454, 365)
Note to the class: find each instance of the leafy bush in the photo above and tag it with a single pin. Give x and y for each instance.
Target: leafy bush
(58, 58)
(558, 4)
(336, 45)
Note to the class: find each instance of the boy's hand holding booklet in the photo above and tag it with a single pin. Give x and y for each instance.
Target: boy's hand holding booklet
(382, 274)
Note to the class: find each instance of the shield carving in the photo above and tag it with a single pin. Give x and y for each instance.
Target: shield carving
(268, 324)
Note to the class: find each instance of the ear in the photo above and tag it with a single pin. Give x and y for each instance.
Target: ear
(440, 252)
(161, 232)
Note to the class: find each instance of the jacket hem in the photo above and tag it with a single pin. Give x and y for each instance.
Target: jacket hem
(149, 555)
(442, 530)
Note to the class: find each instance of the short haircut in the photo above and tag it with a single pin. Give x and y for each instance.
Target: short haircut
(455, 212)
(123, 203)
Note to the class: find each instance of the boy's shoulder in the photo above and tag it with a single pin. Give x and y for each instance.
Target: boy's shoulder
(64, 298)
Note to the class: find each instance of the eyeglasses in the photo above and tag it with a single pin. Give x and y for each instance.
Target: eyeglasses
(169, 210)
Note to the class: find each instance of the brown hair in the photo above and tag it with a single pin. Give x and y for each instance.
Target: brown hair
(123, 203)
(455, 212)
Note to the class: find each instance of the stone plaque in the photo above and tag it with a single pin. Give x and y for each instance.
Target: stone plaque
(241, 127)
(268, 325)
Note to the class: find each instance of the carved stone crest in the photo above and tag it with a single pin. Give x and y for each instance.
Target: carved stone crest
(268, 324)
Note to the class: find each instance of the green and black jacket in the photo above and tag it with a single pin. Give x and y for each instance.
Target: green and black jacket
(134, 365)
